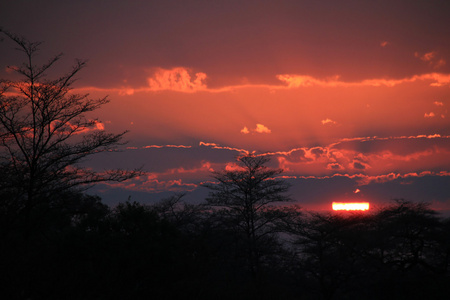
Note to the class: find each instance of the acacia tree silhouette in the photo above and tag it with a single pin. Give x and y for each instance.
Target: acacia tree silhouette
(244, 194)
(44, 133)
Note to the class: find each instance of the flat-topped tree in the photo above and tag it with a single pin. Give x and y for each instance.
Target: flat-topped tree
(45, 134)
(245, 194)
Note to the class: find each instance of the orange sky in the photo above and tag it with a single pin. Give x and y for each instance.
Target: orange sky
(345, 97)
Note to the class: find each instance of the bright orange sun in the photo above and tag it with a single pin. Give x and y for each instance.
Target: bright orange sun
(351, 206)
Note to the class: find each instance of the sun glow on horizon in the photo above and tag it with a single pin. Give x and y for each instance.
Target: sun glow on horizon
(363, 206)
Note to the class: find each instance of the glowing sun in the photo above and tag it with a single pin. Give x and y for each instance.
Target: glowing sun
(351, 206)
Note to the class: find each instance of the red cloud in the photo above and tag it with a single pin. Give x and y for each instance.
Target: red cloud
(260, 128)
(245, 130)
(328, 122)
(296, 81)
(216, 146)
(177, 79)
(159, 146)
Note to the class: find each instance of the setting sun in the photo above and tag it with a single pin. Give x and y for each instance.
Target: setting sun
(351, 206)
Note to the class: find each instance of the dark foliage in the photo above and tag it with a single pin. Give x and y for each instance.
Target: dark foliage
(398, 252)
(83, 249)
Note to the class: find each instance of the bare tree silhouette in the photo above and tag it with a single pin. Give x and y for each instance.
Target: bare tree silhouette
(45, 134)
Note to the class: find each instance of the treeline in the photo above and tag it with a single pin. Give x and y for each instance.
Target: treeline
(243, 242)
(79, 248)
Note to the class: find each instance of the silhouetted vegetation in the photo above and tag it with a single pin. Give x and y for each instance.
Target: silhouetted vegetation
(82, 249)
(242, 199)
(45, 134)
(243, 242)
(397, 252)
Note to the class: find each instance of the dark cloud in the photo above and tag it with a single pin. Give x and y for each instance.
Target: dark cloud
(317, 151)
(358, 166)
(398, 145)
(161, 159)
(297, 156)
(335, 166)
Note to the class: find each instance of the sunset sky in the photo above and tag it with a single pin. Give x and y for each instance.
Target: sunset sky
(350, 98)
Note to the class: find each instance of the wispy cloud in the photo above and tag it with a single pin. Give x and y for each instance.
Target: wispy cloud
(363, 180)
(159, 146)
(217, 146)
(427, 57)
(296, 81)
(152, 184)
(328, 121)
(431, 58)
(172, 180)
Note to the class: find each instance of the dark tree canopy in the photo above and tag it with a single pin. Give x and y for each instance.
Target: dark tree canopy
(252, 186)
